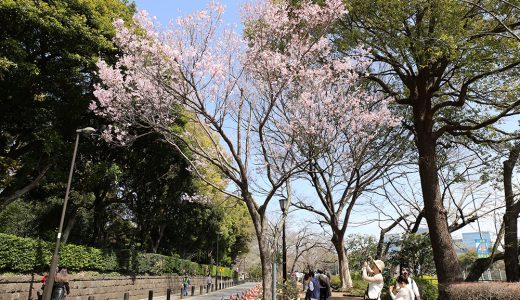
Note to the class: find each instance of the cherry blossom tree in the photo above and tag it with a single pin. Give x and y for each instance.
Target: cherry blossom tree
(252, 99)
(346, 169)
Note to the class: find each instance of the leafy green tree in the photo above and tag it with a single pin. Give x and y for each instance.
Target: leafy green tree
(359, 247)
(48, 51)
(121, 198)
(467, 259)
(452, 73)
(415, 252)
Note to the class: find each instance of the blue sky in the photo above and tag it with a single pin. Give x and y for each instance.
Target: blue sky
(166, 10)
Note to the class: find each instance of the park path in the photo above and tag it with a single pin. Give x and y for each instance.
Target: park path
(215, 295)
(226, 293)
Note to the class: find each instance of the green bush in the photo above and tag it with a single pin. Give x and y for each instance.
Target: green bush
(25, 255)
(358, 285)
(335, 282)
(427, 289)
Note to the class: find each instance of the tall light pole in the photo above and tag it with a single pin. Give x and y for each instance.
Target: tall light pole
(218, 265)
(47, 292)
(283, 206)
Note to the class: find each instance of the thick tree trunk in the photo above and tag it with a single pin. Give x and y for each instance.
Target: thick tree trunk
(344, 271)
(260, 225)
(267, 269)
(511, 246)
(444, 255)
(98, 220)
(510, 219)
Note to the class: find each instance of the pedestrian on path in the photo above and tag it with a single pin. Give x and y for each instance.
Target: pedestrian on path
(404, 293)
(314, 286)
(324, 282)
(185, 284)
(374, 278)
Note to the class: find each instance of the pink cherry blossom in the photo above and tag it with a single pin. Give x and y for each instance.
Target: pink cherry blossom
(260, 103)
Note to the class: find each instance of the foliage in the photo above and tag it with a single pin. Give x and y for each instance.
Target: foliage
(453, 71)
(255, 271)
(121, 198)
(415, 251)
(359, 247)
(358, 285)
(25, 255)
(467, 259)
(290, 290)
(427, 287)
(48, 51)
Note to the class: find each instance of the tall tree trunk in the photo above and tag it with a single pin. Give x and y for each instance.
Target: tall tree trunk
(71, 221)
(511, 218)
(511, 246)
(98, 219)
(260, 225)
(444, 255)
(157, 241)
(344, 271)
(267, 269)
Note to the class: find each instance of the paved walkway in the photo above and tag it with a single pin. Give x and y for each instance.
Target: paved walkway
(216, 295)
(225, 293)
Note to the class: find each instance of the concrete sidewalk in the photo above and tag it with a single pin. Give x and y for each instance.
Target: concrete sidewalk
(215, 295)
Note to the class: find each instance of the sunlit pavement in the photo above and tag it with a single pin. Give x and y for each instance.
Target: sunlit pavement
(216, 295)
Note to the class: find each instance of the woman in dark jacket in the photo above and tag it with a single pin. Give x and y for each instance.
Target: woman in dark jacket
(61, 287)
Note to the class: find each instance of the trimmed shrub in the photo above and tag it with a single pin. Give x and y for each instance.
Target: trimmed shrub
(25, 255)
(482, 290)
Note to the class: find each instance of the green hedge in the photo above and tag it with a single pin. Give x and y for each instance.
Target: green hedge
(25, 255)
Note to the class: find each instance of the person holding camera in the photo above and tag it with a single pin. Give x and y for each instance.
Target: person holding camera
(374, 278)
(404, 292)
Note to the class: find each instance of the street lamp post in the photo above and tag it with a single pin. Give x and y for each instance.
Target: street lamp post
(218, 266)
(47, 292)
(283, 206)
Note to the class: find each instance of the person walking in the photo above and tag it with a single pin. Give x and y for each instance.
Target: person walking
(410, 283)
(324, 282)
(61, 288)
(314, 287)
(374, 278)
(185, 284)
(404, 292)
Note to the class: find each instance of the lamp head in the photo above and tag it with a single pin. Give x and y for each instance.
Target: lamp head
(283, 204)
(86, 130)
